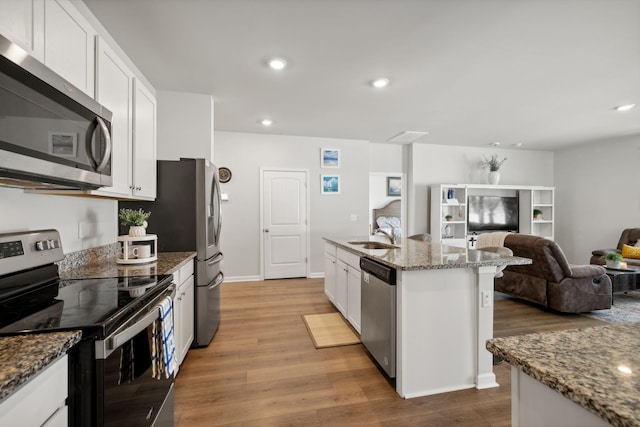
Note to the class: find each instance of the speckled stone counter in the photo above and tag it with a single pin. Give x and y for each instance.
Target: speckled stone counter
(168, 262)
(24, 356)
(597, 368)
(415, 255)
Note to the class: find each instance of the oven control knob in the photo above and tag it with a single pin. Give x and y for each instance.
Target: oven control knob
(53, 243)
(42, 245)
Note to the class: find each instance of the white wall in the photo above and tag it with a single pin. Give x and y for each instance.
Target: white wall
(185, 125)
(436, 164)
(83, 223)
(597, 195)
(245, 153)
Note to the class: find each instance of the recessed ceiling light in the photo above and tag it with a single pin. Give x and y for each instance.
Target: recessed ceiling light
(495, 144)
(626, 107)
(266, 122)
(380, 83)
(277, 63)
(517, 144)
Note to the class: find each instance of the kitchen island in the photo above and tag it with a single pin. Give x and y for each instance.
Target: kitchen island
(582, 377)
(444, 306)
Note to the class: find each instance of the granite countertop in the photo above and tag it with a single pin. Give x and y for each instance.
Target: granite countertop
(168, 262)
(24, 356)
(595, 367)
(416, 255)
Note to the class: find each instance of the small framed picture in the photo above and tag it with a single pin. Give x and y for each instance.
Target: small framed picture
(63, 144)
(394, 186)
(330, 184)
(329, 158)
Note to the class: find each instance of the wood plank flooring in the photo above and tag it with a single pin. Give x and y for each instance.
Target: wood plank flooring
(262, 369)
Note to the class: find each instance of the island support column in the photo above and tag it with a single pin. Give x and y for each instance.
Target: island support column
(485, 378)
(442, 327)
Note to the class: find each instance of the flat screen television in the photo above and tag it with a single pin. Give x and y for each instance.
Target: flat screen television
(493, 213)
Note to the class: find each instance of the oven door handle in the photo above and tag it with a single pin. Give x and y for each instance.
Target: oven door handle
(105, 347)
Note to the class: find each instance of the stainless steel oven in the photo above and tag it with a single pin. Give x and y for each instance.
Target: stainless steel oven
(110, 369)
(128, 394)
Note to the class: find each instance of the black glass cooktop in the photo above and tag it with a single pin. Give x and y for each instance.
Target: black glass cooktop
(96, 306)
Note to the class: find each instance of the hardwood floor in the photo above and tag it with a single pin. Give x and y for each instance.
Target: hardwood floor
(262, 369)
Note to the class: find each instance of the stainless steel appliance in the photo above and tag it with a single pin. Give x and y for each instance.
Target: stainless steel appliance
(110, 381)
(52, 135)
(186, 216)
(378, 321)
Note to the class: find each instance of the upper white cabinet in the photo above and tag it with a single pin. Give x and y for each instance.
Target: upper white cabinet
(114, 90)
(69, 44)
(144, 142)
(22, 22)
(133, 126)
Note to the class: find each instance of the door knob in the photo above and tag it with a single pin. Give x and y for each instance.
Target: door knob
(266, 230)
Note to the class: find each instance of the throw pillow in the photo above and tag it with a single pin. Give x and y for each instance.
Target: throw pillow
(638, 244)
(630, 252)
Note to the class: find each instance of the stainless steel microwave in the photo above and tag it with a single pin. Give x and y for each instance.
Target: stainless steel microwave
(52, 135)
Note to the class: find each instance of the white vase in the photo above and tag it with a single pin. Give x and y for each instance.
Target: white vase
(494, 177)
(137, 231)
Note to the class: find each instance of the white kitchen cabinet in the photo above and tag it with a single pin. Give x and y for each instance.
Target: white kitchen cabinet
(144, 142)
(353, 297)
(133, 127)
(114, 90)
(69, 44)
(342, 270)
(330, 266)
(41, 401)
(22, 22)
(183, 311)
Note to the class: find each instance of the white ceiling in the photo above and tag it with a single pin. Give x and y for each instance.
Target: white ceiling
(544, 73)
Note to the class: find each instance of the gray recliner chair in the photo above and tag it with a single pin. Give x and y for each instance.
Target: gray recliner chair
(629, 236)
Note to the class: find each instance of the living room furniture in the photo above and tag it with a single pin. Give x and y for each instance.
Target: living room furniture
(449, 206)
(629, 236)
(623, 280)
(550, 280)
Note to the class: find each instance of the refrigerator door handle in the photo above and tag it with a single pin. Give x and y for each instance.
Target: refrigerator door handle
(219, 279)
(216, 259)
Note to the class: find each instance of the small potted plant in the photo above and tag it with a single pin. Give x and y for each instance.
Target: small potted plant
(448, 218)
(537, 214)
(136, 219)
(613, 259)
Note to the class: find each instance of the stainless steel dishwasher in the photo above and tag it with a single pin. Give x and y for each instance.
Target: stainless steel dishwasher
(378, 327)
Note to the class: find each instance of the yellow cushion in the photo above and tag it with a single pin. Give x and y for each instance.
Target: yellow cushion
(630, 252)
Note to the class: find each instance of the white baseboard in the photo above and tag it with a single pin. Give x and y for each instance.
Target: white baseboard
(229, 279)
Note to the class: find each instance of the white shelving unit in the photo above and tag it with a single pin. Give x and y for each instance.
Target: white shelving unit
(456, 234)
(127, 243)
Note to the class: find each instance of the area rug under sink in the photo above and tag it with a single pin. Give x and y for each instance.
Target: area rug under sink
(625, 309)
(329, 330)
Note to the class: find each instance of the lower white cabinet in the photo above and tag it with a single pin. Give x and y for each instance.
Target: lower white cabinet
(330, 266)
(342, 282)
(41, 401)
(183, 311)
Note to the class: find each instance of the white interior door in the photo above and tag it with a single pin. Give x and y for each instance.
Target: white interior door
(284, 223)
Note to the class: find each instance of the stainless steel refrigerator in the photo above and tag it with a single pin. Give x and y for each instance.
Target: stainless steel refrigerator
(186, 216)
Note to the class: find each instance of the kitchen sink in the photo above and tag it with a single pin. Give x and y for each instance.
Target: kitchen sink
(368, 244)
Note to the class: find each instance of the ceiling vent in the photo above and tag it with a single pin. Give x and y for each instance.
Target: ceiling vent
(407, 136)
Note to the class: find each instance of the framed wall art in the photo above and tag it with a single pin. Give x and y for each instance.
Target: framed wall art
(394, 186)
(329, 158)
(330, 184)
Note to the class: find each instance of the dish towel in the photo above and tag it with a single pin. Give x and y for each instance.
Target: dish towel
(163, 349)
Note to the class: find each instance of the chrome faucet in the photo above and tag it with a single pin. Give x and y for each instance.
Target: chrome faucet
(391, 236)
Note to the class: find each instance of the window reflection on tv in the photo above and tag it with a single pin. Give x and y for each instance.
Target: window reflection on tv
(493, 213)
